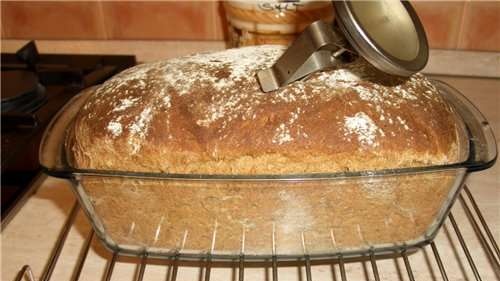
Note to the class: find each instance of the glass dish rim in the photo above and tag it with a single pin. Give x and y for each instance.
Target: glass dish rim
(260, 177)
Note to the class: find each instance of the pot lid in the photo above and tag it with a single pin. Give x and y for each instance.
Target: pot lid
(387, 33)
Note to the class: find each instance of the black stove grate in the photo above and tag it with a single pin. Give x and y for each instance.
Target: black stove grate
(34, 87)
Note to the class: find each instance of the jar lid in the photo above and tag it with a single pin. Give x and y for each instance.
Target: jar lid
(387, 33)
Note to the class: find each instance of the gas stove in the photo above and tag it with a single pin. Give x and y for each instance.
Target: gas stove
(34, 87)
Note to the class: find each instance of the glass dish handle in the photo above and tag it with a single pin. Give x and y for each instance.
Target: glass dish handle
(52, 150)
(482, 142)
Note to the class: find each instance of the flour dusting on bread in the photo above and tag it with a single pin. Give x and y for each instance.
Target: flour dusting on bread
(206, 113)
(363, 127)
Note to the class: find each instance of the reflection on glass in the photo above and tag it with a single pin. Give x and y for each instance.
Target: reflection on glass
(389, 25)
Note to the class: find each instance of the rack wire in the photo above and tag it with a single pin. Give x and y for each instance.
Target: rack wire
(466, 199)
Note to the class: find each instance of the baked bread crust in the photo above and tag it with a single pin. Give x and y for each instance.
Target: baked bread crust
(205, 114)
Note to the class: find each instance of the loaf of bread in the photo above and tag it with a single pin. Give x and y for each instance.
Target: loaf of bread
(205, 114)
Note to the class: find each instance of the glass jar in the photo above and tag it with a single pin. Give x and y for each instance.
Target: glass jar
(272, 22)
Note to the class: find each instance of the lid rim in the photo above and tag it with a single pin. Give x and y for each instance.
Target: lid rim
(371, 51)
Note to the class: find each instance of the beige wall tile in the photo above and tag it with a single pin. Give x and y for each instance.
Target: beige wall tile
(473, 25)
(160, 20)
(52, 20)
(220, 22)
(481, 26)
(441, 21)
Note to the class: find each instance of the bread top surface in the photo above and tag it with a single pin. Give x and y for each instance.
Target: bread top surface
(206, 114)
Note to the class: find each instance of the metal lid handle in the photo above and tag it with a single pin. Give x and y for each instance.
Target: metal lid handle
(313, 50)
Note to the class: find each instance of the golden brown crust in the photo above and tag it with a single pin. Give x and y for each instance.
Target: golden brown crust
(206, 114)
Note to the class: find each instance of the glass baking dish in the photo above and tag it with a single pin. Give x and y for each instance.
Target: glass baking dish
(288, 216)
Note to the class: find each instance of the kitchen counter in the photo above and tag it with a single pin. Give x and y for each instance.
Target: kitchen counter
(31, 234)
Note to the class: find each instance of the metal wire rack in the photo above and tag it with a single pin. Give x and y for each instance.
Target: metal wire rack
(467, 201)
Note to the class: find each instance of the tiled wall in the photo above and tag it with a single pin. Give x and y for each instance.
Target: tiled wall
(112, 20)
(473, 25)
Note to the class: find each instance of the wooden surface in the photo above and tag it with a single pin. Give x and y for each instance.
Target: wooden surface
(30, 236)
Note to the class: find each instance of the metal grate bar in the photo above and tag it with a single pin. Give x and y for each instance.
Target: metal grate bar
(142, 268)
(274, 259)
(208, 267)
(480, 235)
(464, 247)
(275, 268)
(438, 261)
(408, 266)
(343, 276)
(111, 266)
(374, 267)
(241, 268)
(49, 269)
(175, 267)
(83, 256)
(307, 259)
(486, 228)
(27, 274)
(307, 263)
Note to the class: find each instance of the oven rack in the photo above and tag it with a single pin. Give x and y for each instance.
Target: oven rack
(239, 264)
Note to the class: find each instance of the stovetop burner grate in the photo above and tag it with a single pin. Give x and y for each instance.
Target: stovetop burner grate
(466, 199)
(34, 87)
